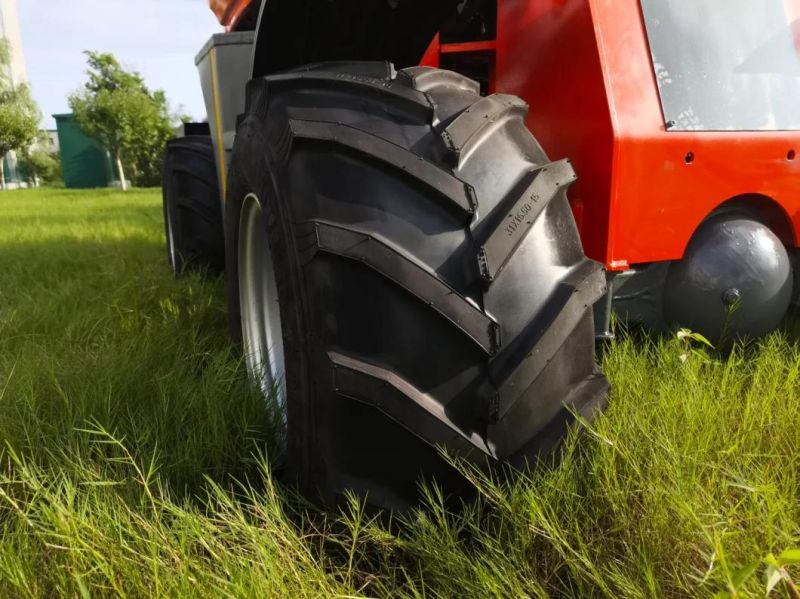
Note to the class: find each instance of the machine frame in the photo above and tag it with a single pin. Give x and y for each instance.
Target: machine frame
(642, 189)
(585, 68)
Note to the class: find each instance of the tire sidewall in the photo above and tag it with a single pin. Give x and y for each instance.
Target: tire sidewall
(255, 169)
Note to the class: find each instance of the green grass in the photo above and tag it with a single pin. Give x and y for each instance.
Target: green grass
(134, 460)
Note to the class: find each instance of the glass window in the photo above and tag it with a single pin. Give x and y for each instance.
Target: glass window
(726, 64)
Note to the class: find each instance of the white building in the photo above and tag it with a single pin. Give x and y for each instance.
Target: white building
(9, 30)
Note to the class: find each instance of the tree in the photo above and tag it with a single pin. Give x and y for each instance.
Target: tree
(19, 116)
(116, 108)
(146, 151)
(39, 165)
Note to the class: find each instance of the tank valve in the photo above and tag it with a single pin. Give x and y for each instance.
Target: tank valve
(731, 297)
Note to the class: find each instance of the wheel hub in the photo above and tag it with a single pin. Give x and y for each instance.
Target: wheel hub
(260, 308)
(173, 258)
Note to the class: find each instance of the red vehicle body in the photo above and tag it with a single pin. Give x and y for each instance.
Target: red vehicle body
(671, 111)
(229, 12)
(642, 190)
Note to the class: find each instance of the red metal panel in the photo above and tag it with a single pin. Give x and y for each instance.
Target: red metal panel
(547, 54)
(466, 47)
(659, 197)
(584, 67)
(431, 57)
(229, 11)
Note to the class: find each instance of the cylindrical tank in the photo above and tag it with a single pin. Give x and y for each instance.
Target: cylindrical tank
(735, 280)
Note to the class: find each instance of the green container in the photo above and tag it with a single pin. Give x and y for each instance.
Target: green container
(85, 163)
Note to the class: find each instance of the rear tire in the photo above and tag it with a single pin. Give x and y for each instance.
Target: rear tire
(192, 207)
(432, 286)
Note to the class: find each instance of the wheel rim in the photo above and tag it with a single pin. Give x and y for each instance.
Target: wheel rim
(260, 310)
(171, 236)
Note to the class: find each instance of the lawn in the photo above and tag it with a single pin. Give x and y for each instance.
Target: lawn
(135, 456)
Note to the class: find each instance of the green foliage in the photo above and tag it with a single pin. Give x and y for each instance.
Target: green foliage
(133, 123)
(127, 420)
(19, 115)
(42, 165)
(19, 119)
(776, 572)
(5, 60)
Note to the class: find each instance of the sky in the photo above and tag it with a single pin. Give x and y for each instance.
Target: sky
(158, 38)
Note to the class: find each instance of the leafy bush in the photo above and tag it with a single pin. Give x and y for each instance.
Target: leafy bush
(19, 115)
(42, 165)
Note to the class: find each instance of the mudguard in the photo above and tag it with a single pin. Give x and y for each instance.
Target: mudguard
(291, 33)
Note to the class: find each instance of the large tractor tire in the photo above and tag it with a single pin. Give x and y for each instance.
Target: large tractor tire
(192, 208)
(405, 252)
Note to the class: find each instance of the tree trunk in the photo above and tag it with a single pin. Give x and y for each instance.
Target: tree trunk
(120, 172)
(3, 172)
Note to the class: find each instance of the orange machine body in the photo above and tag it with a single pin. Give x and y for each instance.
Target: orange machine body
(585, 68)
(229, 11)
